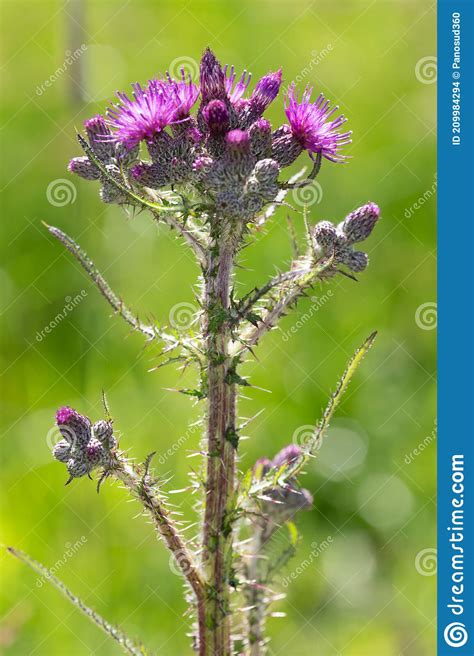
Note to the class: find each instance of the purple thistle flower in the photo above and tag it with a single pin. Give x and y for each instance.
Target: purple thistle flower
(149, 113)
(311, 127)
(235, 90)
(265, 93)
(184, 92)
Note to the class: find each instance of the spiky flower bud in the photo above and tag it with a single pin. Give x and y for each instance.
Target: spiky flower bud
(285, 147)
(261, 138)
(62, 451)
(77, 467)
(99, 135)
(94, 451)
(216, 115)
(265, 93)
(212, 78)
(357, 261)
(83, 167)
(358, 225)
(324, 234)
(75, 428)
(287, 455)
(103, 431)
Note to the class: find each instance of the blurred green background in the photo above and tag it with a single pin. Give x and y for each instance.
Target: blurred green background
(371, 591)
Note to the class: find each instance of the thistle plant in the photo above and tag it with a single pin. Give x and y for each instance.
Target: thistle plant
(202, 159)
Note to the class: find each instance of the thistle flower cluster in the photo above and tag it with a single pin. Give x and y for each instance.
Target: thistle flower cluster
(204, 159)
(337, 241)
(227, 152)
(83, 447)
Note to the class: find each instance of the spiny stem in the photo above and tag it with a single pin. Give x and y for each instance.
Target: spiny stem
(141, 488)
(221, 455)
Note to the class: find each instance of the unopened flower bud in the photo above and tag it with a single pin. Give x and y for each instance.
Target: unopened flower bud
(62, 451)
(261, 138)
(325, 235)
(287, 455)
(103, 431)
(358, 225)
(83, 167)
(99, 135)
(216, 116)
(77, 467)
(357, 261)
(95, 452)
(265, 92)
(75, 428)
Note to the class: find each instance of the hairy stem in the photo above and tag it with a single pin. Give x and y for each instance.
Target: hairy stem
(221, 450)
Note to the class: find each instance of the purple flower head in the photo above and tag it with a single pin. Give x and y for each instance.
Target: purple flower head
(212, 78)
(151, 110)
(65, 414)
(265, 92)
(287, 455)
(238, 141)
(75, 428)
(311, 127)
(216, 115)
(235, 90)
(184, 92)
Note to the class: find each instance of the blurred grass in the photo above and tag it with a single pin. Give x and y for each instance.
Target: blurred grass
(361, 596)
